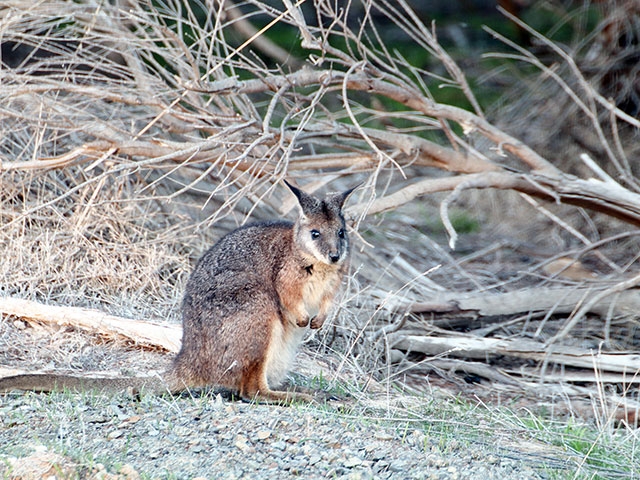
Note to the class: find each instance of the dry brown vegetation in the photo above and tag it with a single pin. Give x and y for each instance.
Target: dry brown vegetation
(134, 135)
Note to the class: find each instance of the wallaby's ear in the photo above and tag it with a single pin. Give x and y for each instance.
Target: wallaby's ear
(339, 199)
(307, 202)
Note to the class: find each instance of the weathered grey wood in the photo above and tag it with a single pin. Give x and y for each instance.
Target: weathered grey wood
(486, 348)
(147, 333)
(557, 300)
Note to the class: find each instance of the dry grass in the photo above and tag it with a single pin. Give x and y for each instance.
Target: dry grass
(110, 252)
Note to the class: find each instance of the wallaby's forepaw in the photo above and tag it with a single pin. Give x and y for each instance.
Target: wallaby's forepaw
(317, 322)
(303, 321)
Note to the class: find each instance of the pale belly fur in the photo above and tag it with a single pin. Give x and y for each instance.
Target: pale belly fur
(282, 351)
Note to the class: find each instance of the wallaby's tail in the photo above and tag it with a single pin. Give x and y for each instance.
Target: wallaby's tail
(44, 382)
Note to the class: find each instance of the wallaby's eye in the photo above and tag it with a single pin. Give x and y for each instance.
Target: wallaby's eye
(315, 234)
(341, 233)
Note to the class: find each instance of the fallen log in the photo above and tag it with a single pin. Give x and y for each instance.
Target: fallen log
(142, 332)
(555, 300)
(480, 348)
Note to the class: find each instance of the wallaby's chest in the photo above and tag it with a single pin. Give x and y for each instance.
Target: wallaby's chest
(320, 282)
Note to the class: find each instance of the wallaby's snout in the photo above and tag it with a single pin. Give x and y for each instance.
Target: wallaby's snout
(339, 249)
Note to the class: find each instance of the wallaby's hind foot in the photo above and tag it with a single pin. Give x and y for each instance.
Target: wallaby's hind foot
(278, 397)
(255, 388)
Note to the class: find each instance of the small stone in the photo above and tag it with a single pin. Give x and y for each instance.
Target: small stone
(382, 465)
(241, 444)
(355, 476)
(477, 455)
(436, 461)
(182, 431)
(379, 454)
(115, 434)
(382, 436)
(352, 462)
(397, 466)
(97, 419)
(129, 472)
(118, 412)
(263, 434)
(133, 419)
(280, 445)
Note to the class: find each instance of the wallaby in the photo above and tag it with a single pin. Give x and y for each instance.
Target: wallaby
(246, 307)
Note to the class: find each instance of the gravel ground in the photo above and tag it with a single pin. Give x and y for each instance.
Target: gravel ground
(370, 433)
(99, 437)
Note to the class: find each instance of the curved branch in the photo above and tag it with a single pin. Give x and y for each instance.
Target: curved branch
(410, 97)
(593, 194)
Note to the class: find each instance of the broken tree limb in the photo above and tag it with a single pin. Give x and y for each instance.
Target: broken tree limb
(584, 309)
(487, 348)
(555, 300)
(489, 372)
(576, 376)
(150, 334)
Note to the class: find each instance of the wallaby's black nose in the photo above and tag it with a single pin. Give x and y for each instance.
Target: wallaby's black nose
(334, 257)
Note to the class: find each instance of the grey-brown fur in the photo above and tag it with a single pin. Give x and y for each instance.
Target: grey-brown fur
(247, 305)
